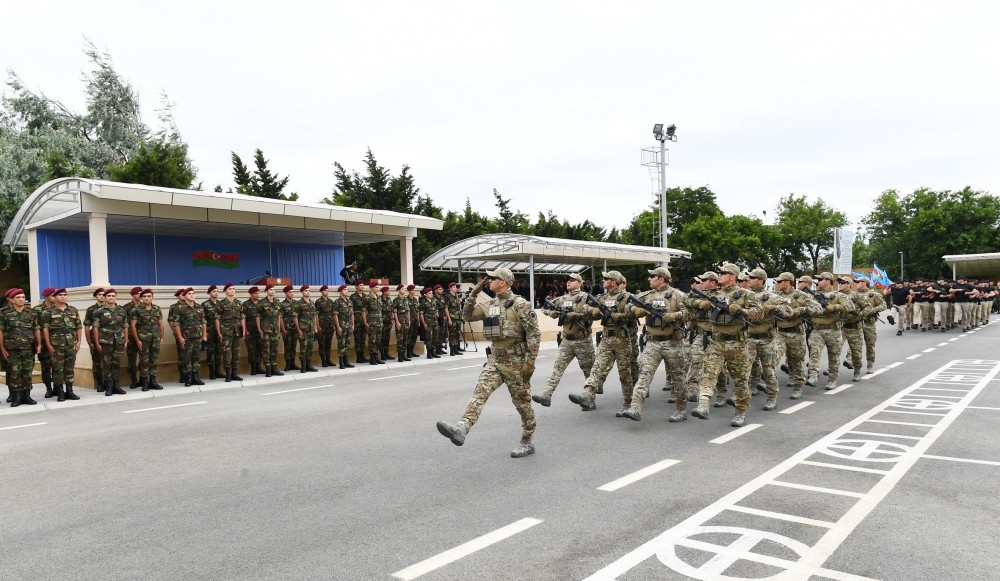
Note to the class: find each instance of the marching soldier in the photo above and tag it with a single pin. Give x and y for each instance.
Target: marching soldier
(288, 323)
(343, 322)
(792, 330)
(88, 323)
(698, 340)
(360, 322)
(146, 324)
(510, 323)
(62, 330)
(324, 312)
(386, 305)
(826, 331)
(763, 347)
(874, 304)
(851, 324)
(577, 335)
(189, 328)
(429, 321)
(44, 357)
(728, 347)
(17, 328)
(401, 322)
(230, 326)
(270, 328)
(111, 338)
(453, 301)
(252, 334)
(306, 324)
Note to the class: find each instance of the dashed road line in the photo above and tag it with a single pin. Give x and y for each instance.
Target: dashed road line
(929, 350)
(23, 426)
(735, 434)
(165, 407)
(894, 365)
(969, 460)
(797, 407)
(297, 389)
(942, 344)
(914, 356)
(393, 376)
(464, 367)
(637, 475)
(837, 390)
(978, 407)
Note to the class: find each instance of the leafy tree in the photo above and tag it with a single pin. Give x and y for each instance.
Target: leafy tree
(510, 221)
(262, 183)
(160, 162)
(807, 230)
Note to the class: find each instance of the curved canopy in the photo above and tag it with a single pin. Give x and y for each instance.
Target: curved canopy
(549, 255)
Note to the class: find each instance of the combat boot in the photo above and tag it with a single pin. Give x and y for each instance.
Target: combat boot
(454, 432)
(360, 355)
(633, 413)
(857, 375)
(267, 371)
(153, 384)
(253, 368)
(308, 366)
(58, 389)
(898, 333)
(26, 397)
(411, 355)
(232, 375)
(347, 363)
(373, 360)
(144, 383)
(292, 366)
(812, 380)
(600, 390)
(679, 416)
(133, 380)
(523, 449)
(186, 378)
(15, 398)
(116, 389)
(583, 400)
(831, 384)
(693, 396)
(399, 356)
(848, 364)
(738, 420)
(621, 412)
(730, 401)
(545, 399)
(701, 411)
(274, 370)
(796, 393)
(784, 368)
(869, 367)
(69, 392)
(211, 373)
(49, 392)
(340, 362)
(720, 400)
(459, 350)
(770, 404)
(671, 399)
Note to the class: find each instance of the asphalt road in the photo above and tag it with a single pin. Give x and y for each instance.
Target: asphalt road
(344, 476)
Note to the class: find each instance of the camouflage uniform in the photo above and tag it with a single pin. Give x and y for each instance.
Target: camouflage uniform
(344, 311)
(401, 308)
(132, 351)
(253, 339)
(698, 343)
(386, 305)
(792, 336)
(762, 344)
(268, 311)
(18, 334)
(213, 347)
(291, 336)
(147, 327)
(360, 331)
(414, 304)
(190, 320)
(875, 304)
(851, 329)
(44, 357)
(428, 308)
(95, 357)
(373, 310)
(442, 322)
(324, 310)
(827, 334)
(305, 314)
(64, 325)
(615, 347)
(111, 324)
(454, 304)
(230, 314)
(665, 342)
(577, 340)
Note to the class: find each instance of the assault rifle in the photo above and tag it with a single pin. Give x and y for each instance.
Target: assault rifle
(719, 305)
(606, 312)
(562, 312)
(650, 308)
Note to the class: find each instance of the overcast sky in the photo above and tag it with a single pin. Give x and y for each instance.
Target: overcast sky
(551, 102)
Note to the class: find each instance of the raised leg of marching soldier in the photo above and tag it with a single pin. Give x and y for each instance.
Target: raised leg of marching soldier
(870, 334)
(832, 341)
(580, 349)
(656, 351)
(722, 356)
(613, 350)
(291, 341)
(497, 371)
(795, 347)
(763, 352)
(854, 337)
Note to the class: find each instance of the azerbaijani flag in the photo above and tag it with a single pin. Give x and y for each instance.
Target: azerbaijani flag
(880, 276)
(216, 259)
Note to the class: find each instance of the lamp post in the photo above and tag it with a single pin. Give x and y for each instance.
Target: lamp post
(901, 277)
(664, 136)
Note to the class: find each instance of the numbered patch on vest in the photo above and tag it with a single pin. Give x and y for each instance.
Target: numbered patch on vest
(494, 311)
(659, 304)
(610, 303)
(567, 304)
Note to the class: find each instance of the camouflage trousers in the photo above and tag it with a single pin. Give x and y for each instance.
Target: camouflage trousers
(360, 335)
(344, 341)
(306, 342)
(326, 333)
(580, 349)
(291, 342)
(697, 367)
(832, 340)
(455, 333)
(402, 337)
(269, 347)
(374, 337)
(64, 358)
(854, 339)
(132, 355)
(254, 346)
(793, 345)
(441, 330)
(45, 362)
(230, 349)
(675, 354)
(429, 334)
(870, 334)
(149, 355)
(189, 354)
(95, 364)
(111, 360)
(383, 343)
(764, 353)
(612, 350)
(20, 363)
(414, 333)
(497, 371)
(213, 349)
(731, 356)
(634, 339)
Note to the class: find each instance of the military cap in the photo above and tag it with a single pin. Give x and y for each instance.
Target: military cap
(59, 291)
(324, 287)
(613, 275)
(48, 291)
(13, 293)
(288, 289)
(98, 291)
(806, 278)
(427, 289)
(729, 268)
(253, 290)
(827, 276)
(451, 284)
(437, 286)
(179, 292)
(574, 276)
(145, 291)
(660, 271)
(400, 287)
(758, 273)
(135, 290)
(228, 286)
(212, 288)
(410, 287)
(709, 275)
(695, 279)
(304, 288)
(268, 287)
(743, 276)
(385, 289)
(188, 290)
(110, 291)
(503, 274)
(860, 279)
(785, 276)
(341, 287)
(845, 279)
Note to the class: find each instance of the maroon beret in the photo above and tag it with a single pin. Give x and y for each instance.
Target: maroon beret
(48, 291)
(98, 291)
(13, 293)
(427, 289)
(253, 290)
(437, 286)
(146, 291)
(385, 289)
(179, 292)
(228, 286)
(135, 290)
(288, 289)
(411, 286)
(400, 287)
(109, 291)
(59, 291)
(212, 288)
(303, 288)
(451, 284)
(268, 287)
(324, 287)
(341, 288)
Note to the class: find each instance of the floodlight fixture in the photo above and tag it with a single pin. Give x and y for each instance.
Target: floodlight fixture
(658, 131)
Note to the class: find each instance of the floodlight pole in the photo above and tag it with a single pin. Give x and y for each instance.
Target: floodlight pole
(663, 197)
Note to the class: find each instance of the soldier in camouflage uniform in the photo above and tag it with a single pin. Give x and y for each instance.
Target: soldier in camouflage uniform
(792, 331)
(443, 320)
(188, 324)
(111, 336)
(44, 357)
(826, 331)
(343, 322)
(270, 327)
(360, 321)
(728, 347)
(615, 347)
(665, 317)
(230, 326)
(132, 351)
(306, 324)
(510, 322)
(453, 300)
(414, 300)
(428, 320)
(386, 304)
(213, 347)
(763, 341)
(146, 323)
(253, 334)
(62, 332)
(17, 329)
(324, 312)
(88, 323)
(401, 322)
(699, 340)
(874, 304)
(633, 337)
(577, 336)
(373, 325)
(851, 325)
(288, 322)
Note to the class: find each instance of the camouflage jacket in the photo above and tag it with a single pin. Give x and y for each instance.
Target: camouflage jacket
(288, 314)
(189, 319)
(63, 325)
(147, 321)
(269, 311)
(428, 308)
(229, 314)
(515, 321)
(324, 309)
(414, 303)
(401, 306)
(305, 313)
(211, 310)
(18, 328)
(250, 311)
(838, 305)
(774, 305)
(852, 316)
(386, 304)
(803, 306)
(874, 304)
(111, 324)
(621, 315)
(579, 321)
(344, 311)
(357, 302)
(726, 323)
(373, 308)
(669, 301)
(454, 304)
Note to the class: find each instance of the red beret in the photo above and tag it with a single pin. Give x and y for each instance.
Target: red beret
(146, 291)
(304, 287)
(180, 291)
(48, 291)
(211, 288)
(451, 284)
(59, 291)
(341, 287)
(98, 291)
(427, 289)
(13, 293)
(109, 291)
(253, 290)
(188, 290)
(268, 287)
(411, 286)
(437, 286)
(288, 289)
(385, 289)
(135, 290)
(228, 286)
(324, 287)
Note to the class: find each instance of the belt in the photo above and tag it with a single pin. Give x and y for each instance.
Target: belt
(760, 335)
(824, 326)
(795, 329)
(852, 325)
(729, 337)
(575, 337)
(512, 350)
(615, 333)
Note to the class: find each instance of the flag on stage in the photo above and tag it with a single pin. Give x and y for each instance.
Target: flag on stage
(216, 259)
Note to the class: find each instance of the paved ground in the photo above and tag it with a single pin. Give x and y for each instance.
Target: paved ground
(343, 476)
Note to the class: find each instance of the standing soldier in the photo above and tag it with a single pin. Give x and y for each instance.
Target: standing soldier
(454, 303)
(443, 318)
(413, 299)
(132, 351)
(230, 326)
(360, 322)
(401, 322)
(17, 327)
(615, 347)
(851, 325)
(88, 323)
(288, 322)
(44, 356)
(190, 329)
(826, 331)
(792, 330)
(665, 314)
(373, 325)
(428, 321)
(874, 304)
(343, 322)
(324, 312)
(213, 347)
(306, 324)
(386, 303)
(62, 330)
(727, 349)
(253, 334)
(270, 327)
(146, 322)
(577, 342)
(762, 341)
(509, 321)
(111, 337)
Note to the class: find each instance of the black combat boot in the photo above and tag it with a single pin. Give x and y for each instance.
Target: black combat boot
(360, 355)
(15, 398)
(288, 365)
(340, 362)
(267, 371)
(144, 383)
(153, 384)
(347, 362)
(307, 365)
(69, 391)
(211, 372)
(253, 368)
(373, 360)
(133, 380)
(186, 378)
(26, 397)
(195, 380)
(274, 370)
(60, 394)
(49, 392)
(116, 388)
(399, 356)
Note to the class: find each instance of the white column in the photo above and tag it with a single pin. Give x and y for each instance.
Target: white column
(97, 225)
(406, 259)
(36, 285)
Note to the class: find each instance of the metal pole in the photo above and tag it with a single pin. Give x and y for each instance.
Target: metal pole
(531, 279)
(459, 272)
(901, 277)
(663, 198)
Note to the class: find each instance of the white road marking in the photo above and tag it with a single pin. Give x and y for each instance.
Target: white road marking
(393, 376)
(942, 344)
(180, 405)
(928, 350)
(914, 413)
(884, 434)
(894, 365)
(464, 367)
(637, 475)
(900, 423)
(844, 467)
(837, 390)
(914, 356)
(978, 407)
(297, 389)
(955, 339)
(783, 516)
(822, 489)
(464, 550)
(797, 407)
(971, 461)
(943, 389)
(735, 434)
(877, 372)
(23, 426)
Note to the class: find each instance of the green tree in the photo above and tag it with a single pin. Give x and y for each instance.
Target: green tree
(262, 183)
(510, 221)
(160, 162)
(806, 229)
